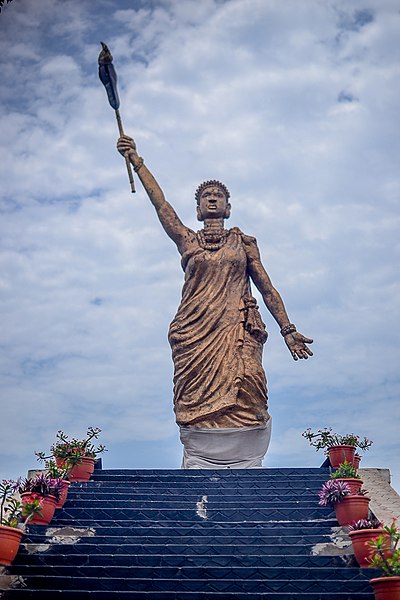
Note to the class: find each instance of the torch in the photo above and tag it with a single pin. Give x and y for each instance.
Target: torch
(108, 77)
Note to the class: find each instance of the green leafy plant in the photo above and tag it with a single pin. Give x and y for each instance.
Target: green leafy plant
(71, 451)
(333, 492)
(53, 469)
(386, 552)
(14, 513)
(345, 471)
(325, 438)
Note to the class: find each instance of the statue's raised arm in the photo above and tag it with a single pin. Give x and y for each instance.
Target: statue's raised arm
(170, 221)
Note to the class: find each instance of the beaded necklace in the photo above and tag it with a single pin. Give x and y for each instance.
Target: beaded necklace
(212, 240)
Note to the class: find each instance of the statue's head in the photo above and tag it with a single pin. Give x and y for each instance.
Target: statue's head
(212, 198)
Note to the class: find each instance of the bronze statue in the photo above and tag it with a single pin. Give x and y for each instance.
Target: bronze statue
(217, 335)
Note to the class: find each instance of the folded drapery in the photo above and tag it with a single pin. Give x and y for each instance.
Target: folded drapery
(230, 448)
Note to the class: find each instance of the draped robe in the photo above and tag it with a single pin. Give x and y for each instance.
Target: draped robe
(217, 338)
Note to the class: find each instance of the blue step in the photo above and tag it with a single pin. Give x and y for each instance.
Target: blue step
(41, 594)
(179, 556)
(245, 580)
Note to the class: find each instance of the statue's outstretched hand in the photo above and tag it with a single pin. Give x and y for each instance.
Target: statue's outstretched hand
(126, 144)
(296, 342)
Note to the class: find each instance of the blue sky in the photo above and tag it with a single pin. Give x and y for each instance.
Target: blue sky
(294, 105)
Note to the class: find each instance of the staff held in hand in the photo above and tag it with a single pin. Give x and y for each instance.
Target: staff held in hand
(108, 77)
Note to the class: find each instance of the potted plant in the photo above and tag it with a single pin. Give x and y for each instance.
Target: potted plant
(348, 473)
(361, 532)
(338, 447)
(80, 455)
(13, 518)
(44, 488)
(57, 472)
(348, 507)
(386, 556)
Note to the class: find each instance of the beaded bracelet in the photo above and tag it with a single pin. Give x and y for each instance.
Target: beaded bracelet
(288, 329)
(139, 165)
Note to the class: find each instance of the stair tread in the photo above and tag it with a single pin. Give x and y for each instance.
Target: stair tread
(140, 584)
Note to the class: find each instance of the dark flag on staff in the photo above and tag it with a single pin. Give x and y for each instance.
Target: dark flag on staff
(108, 77)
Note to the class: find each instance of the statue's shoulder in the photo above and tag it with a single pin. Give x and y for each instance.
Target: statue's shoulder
(247, 240)
(249, 245)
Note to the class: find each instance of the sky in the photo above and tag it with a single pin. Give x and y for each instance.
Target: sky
(294, 105)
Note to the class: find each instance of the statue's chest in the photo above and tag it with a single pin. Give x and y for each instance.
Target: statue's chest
(229, 260)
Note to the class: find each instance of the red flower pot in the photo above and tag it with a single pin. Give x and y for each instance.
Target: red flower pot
(353, 483)
(359, 540)
(386, 588)
(10, 539)
(356, 461)
(63, 493)
(352, 508)
(81, 471)
(338, 454)
(48, 507)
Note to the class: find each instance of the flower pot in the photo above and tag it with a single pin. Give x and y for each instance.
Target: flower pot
(48, 507)
(81, 471)
(10, 539)
(63, 493)
(386, 588)
(353, 483)
(356, 461)
(359, 540)
(338, 454)
(352, 508)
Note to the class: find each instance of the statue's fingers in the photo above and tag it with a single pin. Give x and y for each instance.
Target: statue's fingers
(308, 351)
(307, 340)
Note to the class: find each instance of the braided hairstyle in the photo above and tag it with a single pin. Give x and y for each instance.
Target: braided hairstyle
(207, 184)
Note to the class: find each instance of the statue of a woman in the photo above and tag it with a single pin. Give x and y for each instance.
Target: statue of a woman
(217, 335)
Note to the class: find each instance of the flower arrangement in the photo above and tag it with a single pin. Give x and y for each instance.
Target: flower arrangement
(345, 471)
(324, 438)
(42, 485)
(70, 452)
(386, 552)
(14, 513)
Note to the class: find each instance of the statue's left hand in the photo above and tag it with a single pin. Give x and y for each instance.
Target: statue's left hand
(296, 342)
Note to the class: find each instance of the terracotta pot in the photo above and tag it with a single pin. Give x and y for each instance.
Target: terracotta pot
(338, 454)
(359, 540)
(10, 539)
(353, 483)
(80, 472)
(386, 588)
(48, 507)
(352, 508)
(356, 461)
(63, 493)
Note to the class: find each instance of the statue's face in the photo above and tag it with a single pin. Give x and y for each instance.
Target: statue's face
(213, 204)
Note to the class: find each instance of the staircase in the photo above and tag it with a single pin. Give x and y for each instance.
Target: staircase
(189, 535)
